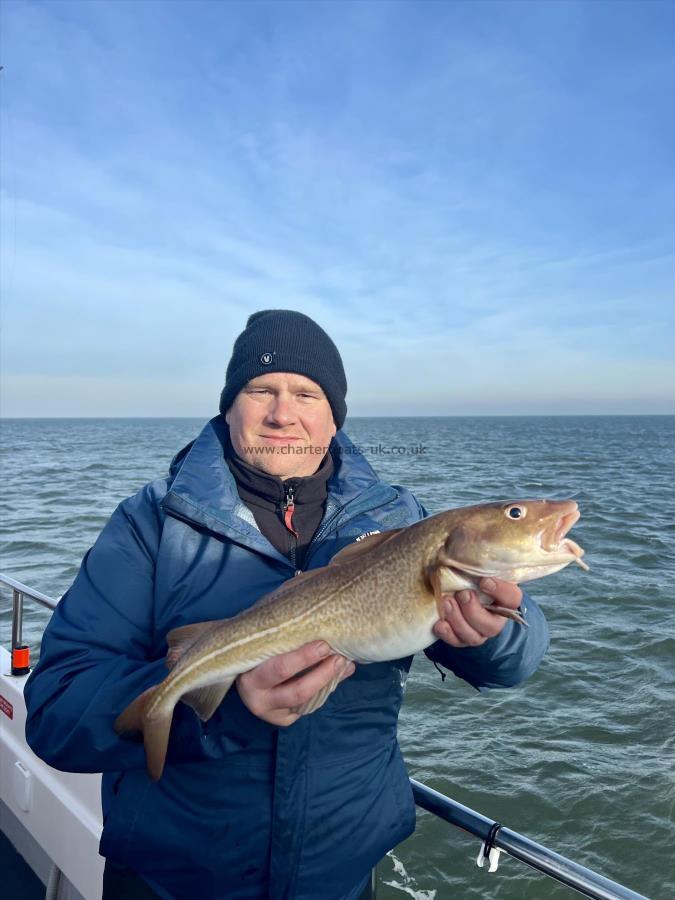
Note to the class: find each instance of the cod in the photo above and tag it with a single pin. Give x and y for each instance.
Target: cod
(378, 599)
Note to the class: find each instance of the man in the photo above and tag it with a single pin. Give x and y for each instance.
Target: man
(257, 802)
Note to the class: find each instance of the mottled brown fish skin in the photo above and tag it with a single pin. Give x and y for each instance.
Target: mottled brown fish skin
(377, 600)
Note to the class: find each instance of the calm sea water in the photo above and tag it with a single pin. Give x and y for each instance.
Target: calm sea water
(582, 757)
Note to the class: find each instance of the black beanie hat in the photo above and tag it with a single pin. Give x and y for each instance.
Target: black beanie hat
(280, 340)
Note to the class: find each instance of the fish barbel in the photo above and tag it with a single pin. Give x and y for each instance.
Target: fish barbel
(377, 600)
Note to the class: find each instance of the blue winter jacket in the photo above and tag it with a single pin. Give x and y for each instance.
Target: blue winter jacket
(244, 810)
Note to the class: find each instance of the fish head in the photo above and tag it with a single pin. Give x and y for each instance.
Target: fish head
(515, 540)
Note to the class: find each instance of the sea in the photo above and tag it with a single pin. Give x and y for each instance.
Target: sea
(581, 757)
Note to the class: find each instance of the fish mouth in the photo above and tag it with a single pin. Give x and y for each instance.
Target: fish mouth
(552, 537)
(554, 540)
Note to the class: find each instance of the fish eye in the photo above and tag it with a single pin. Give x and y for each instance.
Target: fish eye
(515, 511)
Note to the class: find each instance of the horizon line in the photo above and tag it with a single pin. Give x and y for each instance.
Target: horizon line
(352, 418)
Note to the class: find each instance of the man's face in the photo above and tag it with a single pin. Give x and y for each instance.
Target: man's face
(281, 423)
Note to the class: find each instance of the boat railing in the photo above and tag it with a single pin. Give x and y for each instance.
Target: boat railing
(494, 836)
(20, 651)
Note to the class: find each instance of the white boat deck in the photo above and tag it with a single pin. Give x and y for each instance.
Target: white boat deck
(51, 818)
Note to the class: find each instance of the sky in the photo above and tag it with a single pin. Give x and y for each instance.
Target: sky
(475, 200)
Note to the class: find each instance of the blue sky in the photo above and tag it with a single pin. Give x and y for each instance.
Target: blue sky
(476, 200)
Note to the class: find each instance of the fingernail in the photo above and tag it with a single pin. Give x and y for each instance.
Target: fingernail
(488, 584)
(340, 664)
(464, 596)
(447, 607)
(349, 669)
(323, 649)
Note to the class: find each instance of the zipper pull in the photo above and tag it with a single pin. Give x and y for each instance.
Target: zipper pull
(289, 509)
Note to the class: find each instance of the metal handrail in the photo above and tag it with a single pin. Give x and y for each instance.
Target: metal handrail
(38, 596)
(535, 855)
(19, 591)
(576, 876)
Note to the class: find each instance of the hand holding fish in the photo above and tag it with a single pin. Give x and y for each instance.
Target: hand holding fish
(465, 622)
(277, 689)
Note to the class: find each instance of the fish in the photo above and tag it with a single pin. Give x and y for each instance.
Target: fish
(378, 599)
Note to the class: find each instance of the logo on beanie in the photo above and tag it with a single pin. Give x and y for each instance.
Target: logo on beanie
(266, 359)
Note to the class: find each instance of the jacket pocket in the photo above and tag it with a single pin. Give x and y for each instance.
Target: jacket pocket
(364, 808)
(128, 793)
(202, 830)
(360, 716)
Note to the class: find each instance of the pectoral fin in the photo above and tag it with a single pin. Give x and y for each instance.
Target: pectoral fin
(444, 581)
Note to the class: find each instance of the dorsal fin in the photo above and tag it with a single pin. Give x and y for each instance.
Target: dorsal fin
(181, 639)
(360, 548)
(289, 585)
(347, 554)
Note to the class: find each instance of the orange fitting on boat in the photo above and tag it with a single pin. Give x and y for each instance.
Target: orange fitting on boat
(21, 660)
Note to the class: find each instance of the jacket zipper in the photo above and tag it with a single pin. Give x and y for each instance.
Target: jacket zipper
(288, 510)
(323, 528)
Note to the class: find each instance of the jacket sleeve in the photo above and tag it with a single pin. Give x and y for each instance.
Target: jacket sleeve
(502, 661)
(100, 651)
(96, 653)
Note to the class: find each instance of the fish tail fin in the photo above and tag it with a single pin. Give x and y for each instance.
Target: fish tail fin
(133, 717)
(156, 741)
(155, 730)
